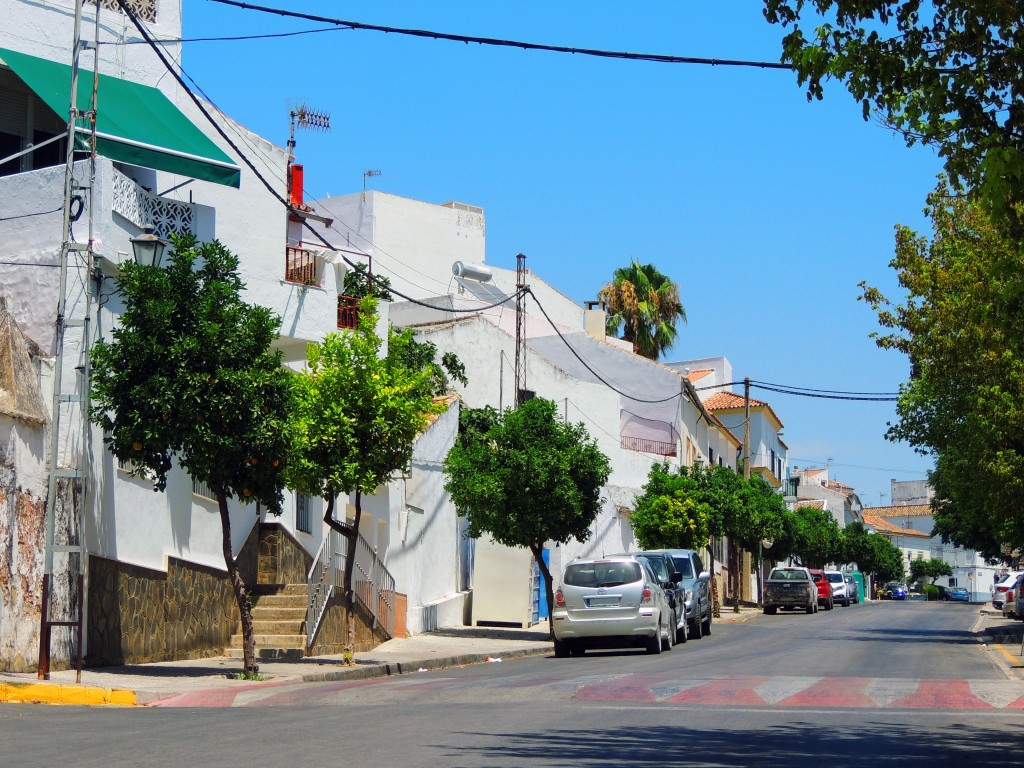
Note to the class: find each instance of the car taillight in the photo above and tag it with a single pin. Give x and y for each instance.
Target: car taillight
(646, 596)
(559, 599)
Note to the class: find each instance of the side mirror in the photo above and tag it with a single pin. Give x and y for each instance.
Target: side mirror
(677, 577)
(704, 576)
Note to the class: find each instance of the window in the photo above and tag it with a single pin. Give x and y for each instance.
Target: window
(302, 522)
(202, 490)
(711, 456)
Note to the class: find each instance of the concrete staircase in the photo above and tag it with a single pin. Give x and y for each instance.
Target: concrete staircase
(279, 621)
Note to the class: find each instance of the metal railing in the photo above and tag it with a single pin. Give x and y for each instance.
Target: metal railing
(299, 265)
(647, 446)
(348, 311)
(373, 584)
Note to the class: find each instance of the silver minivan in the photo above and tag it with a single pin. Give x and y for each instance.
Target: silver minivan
(611, 602)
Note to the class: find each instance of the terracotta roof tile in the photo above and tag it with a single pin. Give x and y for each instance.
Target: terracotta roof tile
(698, 375)
(901, 510)
(881, 525)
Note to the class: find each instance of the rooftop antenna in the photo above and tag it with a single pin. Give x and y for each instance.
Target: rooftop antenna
(308, 118)
(369, 175)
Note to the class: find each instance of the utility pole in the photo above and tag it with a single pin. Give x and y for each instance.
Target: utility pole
(746, 428)
(520, 363)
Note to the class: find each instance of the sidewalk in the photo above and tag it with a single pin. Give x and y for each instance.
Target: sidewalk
(142, 684)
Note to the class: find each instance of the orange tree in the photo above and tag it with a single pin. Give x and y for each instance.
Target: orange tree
(190, 375)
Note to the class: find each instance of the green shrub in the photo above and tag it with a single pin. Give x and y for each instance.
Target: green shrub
(931, 592)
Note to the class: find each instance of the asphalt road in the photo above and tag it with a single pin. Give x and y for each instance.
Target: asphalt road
(877, 684)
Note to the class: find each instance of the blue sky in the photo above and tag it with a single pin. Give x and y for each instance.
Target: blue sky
(766, 209)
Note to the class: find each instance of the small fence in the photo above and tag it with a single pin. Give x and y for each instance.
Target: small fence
(648, 446)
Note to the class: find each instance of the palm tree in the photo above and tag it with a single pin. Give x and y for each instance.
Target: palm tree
(645, 304)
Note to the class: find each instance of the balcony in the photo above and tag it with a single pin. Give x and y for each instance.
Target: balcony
(348, 312)
(300, 265)
(644, 445)
(143, 208)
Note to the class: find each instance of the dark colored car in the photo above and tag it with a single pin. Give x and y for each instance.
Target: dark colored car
(664, 568)
(894, 591)
(697, 583)
(824, 588)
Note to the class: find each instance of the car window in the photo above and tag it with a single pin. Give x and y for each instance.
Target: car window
(698, 564)
(786, 574)
(816, 577)
(606, 574)
(659, 567)
(683, 565)
(836, 578)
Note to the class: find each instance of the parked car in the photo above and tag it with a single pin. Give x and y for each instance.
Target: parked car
(611, 602)
(697, 582)
(1010, 598)
(852, 588)
(664, 568)
(840, 590)
(1020, 603)
(894, 591)
(824, 588)
(790, 587)
(1002, 584)
(959, 594)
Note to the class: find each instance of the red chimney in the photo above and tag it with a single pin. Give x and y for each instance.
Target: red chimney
(296, 185)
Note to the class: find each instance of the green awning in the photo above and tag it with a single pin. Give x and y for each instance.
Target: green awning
(135, 123)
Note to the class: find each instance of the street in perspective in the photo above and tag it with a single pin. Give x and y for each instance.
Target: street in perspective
(503, 384)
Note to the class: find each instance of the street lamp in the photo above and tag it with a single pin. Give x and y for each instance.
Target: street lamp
(148, 247)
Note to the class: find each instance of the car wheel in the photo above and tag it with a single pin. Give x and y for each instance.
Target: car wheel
(653, 644)
(771, 610)
(706, 629)
(846, 603)
(670, 635)
(698, 626)
(831, 604)
(812, 608)
(683, 631)
(577, 648)
(561, 649)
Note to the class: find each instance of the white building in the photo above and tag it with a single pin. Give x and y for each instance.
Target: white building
(161, 161)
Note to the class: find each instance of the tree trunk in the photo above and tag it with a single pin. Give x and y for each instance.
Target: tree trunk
(350, 563)
(716, 608)
(734, 574)
(249, 665)
(538, 555)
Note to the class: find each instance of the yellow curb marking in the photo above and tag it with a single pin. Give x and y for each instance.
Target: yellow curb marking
(37, 693)
(1012, 657)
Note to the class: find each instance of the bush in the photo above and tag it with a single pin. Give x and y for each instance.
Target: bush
(931, 592)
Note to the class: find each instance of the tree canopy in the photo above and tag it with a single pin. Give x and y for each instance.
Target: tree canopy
(961, 326)
(946, 73)
(526, 478)
(190, 375)
(643, 304)
(931, 568)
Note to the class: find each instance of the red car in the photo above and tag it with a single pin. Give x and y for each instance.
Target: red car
(824, 588)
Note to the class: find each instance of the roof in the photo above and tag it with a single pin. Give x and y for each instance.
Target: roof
(812, 503)
(730, 401)
(883, 526)
(902, 510)
(697, 375)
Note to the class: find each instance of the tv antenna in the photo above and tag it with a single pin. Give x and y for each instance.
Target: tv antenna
(369, 175)
(308, 118)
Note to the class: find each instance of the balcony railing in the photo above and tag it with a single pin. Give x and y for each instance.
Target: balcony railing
(348, 311)
(647, 446)
(300, 265)
(143, 208)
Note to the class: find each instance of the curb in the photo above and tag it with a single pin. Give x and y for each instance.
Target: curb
(409, 667)
(43, 693)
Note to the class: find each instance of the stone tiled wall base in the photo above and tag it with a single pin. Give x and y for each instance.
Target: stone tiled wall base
(282, 559)
(333, 633)
(138, 615)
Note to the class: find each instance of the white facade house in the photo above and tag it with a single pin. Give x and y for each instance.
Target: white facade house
(161, 161)
(841, 500)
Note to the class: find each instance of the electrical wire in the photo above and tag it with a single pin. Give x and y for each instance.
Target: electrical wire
(29, 215)
(503, 43)
(234, 38)
(823, 391)
(587, 365)
(129, 12)
(824, 397)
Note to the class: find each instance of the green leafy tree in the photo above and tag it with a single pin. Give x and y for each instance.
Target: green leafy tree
(946, 73)
(762, 520)
(526, 478)
(932, 568)
(961, 326)
(359, 283)
(421, 355)
(355, 418)
(818, 538)
(190, 375)
(643, 304)
(886, 561)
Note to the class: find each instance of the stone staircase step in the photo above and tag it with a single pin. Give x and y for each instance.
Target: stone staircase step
(282, 601)
(276, 627)
(281, 589)
(272, 641)
(273, 613)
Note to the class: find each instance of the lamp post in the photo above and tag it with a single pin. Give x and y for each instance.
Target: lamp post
(148, 247)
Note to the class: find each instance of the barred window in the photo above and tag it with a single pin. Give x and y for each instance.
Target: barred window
(302, 521)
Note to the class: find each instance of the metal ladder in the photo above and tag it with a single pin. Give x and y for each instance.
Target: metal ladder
(69, 462)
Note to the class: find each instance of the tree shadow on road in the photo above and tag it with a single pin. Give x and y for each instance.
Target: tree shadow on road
(864, 744)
